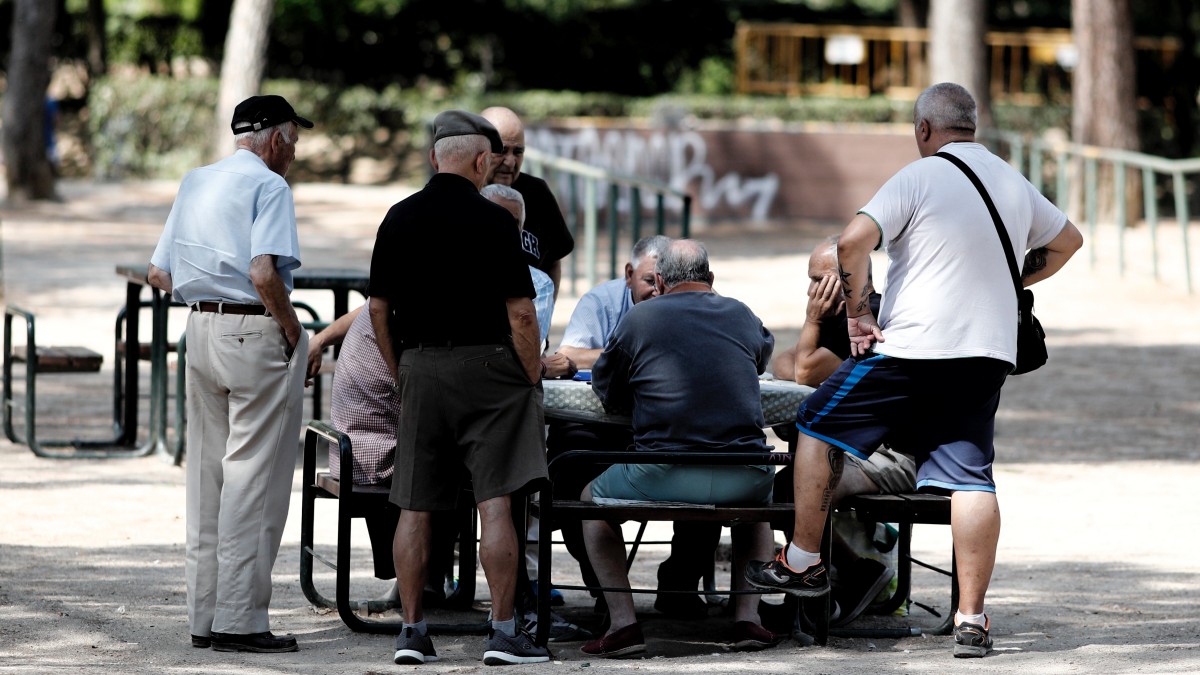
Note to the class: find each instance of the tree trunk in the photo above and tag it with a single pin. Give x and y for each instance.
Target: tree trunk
(1103, 93)
(1185, 78)
(912, 14)
(957, 52)
(28, 169)
(97, 39)
(242, 65)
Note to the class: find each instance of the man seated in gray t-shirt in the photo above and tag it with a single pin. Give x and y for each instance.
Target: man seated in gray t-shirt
(591, 325)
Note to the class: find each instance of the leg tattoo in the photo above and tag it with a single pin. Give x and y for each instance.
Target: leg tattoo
(836, 461)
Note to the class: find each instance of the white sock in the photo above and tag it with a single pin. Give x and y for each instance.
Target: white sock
(798, 559)
(977, 619)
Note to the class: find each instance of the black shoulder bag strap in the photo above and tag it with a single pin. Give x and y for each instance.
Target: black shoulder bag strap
(1000, 231)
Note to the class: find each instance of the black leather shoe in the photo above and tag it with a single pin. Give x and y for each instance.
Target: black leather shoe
(263, 643)
(201, 641)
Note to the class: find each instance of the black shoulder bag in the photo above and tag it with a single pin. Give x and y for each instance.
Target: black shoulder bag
(1031, 339)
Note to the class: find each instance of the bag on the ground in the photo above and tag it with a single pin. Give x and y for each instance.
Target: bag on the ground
(1031, 339)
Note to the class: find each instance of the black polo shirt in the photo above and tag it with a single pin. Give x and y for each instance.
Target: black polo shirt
(544, 220)
(447, 260)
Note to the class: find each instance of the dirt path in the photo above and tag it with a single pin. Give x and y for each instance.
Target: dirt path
(1098, 571)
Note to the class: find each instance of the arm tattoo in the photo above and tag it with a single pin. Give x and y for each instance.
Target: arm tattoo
(1035, 261)
(864, 300)
(836, 460)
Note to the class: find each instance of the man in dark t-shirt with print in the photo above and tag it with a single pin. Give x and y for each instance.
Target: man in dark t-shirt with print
(543, 218)
(468, 372)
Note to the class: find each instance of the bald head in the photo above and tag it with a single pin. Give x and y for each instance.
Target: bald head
(512, 133)
(823, 261)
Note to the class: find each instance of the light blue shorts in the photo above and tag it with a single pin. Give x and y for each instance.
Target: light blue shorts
(692, 484)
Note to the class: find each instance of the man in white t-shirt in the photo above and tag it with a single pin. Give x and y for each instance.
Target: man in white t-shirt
(927, 375)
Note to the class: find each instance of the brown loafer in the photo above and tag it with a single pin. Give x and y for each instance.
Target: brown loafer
(624, 642)
(262, 643)
(749, 637)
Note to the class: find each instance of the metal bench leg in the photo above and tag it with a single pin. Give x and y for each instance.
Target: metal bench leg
(41, 447)
(181, 402)
(307, 517)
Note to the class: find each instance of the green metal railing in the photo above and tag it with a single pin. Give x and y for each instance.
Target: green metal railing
(1030, 156)
(579, 188)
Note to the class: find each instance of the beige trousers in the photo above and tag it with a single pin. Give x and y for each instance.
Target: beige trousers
(244, 410)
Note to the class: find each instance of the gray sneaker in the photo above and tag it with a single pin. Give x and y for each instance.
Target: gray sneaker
(412, 648)
(503, 650)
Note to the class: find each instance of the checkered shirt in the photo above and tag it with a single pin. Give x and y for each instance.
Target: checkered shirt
(364, 405)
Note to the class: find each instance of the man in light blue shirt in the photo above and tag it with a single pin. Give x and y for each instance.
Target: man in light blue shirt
(228, 250)
(600, 309)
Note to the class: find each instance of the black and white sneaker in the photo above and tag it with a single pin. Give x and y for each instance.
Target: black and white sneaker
(412, 648)
(972, 640)
(778, 577)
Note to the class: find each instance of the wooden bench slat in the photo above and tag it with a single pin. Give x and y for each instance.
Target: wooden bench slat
(906, 508)
(329, 483)
(144, 349)
(61, 359)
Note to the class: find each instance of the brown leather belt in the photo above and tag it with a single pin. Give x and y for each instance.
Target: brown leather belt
(230, 308)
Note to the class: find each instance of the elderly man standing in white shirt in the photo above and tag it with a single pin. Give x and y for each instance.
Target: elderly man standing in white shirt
(228, 250)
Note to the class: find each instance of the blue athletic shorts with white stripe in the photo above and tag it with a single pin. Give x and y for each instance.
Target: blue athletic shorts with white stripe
(942, 412)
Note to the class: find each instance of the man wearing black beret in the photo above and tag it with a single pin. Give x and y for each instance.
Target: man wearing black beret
(468, 372)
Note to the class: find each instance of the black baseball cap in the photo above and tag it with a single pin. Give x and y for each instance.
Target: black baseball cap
(260, 112)
(462, 123)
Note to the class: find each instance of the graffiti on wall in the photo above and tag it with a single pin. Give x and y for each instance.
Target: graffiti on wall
(677, 158)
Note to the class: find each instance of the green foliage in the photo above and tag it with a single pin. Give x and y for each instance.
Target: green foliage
(557, 10)
(876, 110)
(869, 7)
(149, 126)
(184, 9)
(714, 76)
(158, 126)
(383, 7)
(1031, 119)
(151, 41)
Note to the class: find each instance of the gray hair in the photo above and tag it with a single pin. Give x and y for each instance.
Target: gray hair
(456, 149)
(684, 260)
(498, 191)
(255, 141)
(652, 246)
(946, 106)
